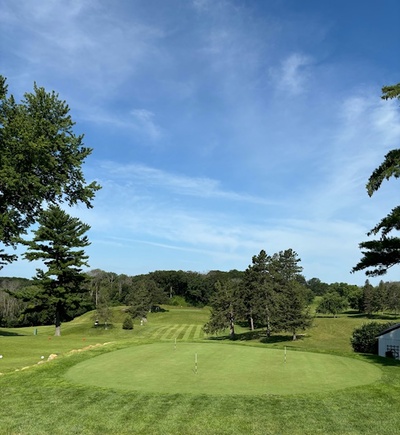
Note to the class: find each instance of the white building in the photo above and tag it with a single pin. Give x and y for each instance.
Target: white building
(389, 341)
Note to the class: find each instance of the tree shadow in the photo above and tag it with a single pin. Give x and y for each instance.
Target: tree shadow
(353, 314)
(256, 335)
(158, 309)
(280, 338)
(10, 334)
(387, 362)
(377, 316)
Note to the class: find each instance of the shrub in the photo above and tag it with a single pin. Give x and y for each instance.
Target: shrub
(364, 338)
(177, 301)
(127, 323)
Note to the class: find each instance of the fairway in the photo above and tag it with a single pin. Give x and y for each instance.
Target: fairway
(221, 369)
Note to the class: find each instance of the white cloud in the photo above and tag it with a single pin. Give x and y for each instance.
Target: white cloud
(293, 75)
(148, 177)
(145, 122)
(85, 43)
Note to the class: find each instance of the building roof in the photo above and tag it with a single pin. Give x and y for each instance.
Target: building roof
(390, 329)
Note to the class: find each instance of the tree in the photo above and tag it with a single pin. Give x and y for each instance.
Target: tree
(223, 308)
(392, 299)
(58, 242)
(144, 296)
(317, 286)
(332, 303)
(356, 299)
(127, 323)
(104, 313)
(379, 255)
(291, 312)
(364, 338)
(373, 298)
(256, 302)
(40, 162)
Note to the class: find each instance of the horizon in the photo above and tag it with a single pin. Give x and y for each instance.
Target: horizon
(219, 128)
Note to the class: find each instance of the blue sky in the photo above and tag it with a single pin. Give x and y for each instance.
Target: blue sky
(219, 127)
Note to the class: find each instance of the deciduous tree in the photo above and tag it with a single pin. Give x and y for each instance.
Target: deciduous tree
(40, 162)
(332, 303)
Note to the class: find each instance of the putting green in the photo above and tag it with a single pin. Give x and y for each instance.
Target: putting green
(221, 369)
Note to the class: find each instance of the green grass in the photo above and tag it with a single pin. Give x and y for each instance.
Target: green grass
(220, 369)
(43, 399)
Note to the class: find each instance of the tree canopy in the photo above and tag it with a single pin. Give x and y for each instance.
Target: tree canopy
(40, 162)
(381, 254)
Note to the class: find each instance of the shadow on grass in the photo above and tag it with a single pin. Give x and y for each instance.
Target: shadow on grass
(352, 314)
(377, 316)
(382, 360)
(256, 335)
(10, 334)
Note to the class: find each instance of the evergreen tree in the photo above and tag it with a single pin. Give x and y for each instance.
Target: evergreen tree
(372, 299)
(223, 308)
(381, 254)
(291, 312)
(255, 298)
(58, 242)
(392, 300)
(127, 323)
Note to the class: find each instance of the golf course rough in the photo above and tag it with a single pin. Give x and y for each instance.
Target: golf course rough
(219, 369)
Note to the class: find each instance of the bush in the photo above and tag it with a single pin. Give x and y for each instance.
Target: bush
(364, 338)
(127, 323)
(177, 301)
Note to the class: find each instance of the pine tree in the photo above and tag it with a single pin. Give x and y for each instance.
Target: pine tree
(223, 308)
(58, 242)
(291, 311)
(256, 298)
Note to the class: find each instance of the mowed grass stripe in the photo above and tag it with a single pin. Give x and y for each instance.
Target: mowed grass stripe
(189, 329)
(197, 333)
(158, 333)
(178, 331)
(169, 333)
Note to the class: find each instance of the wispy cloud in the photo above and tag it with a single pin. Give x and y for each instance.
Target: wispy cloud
(149, 177)
(86, 43)
(293, 74)
(144, 121)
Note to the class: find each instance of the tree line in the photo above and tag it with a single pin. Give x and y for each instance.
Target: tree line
(41, 169)
(232, 295)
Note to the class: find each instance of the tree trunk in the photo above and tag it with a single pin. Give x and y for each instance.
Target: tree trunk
(268, 327)
(294, 336)
(251, 323)
(231, 328)
(58, 319)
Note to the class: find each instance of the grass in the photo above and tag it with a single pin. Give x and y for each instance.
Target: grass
(43, 399)
(215, 369)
